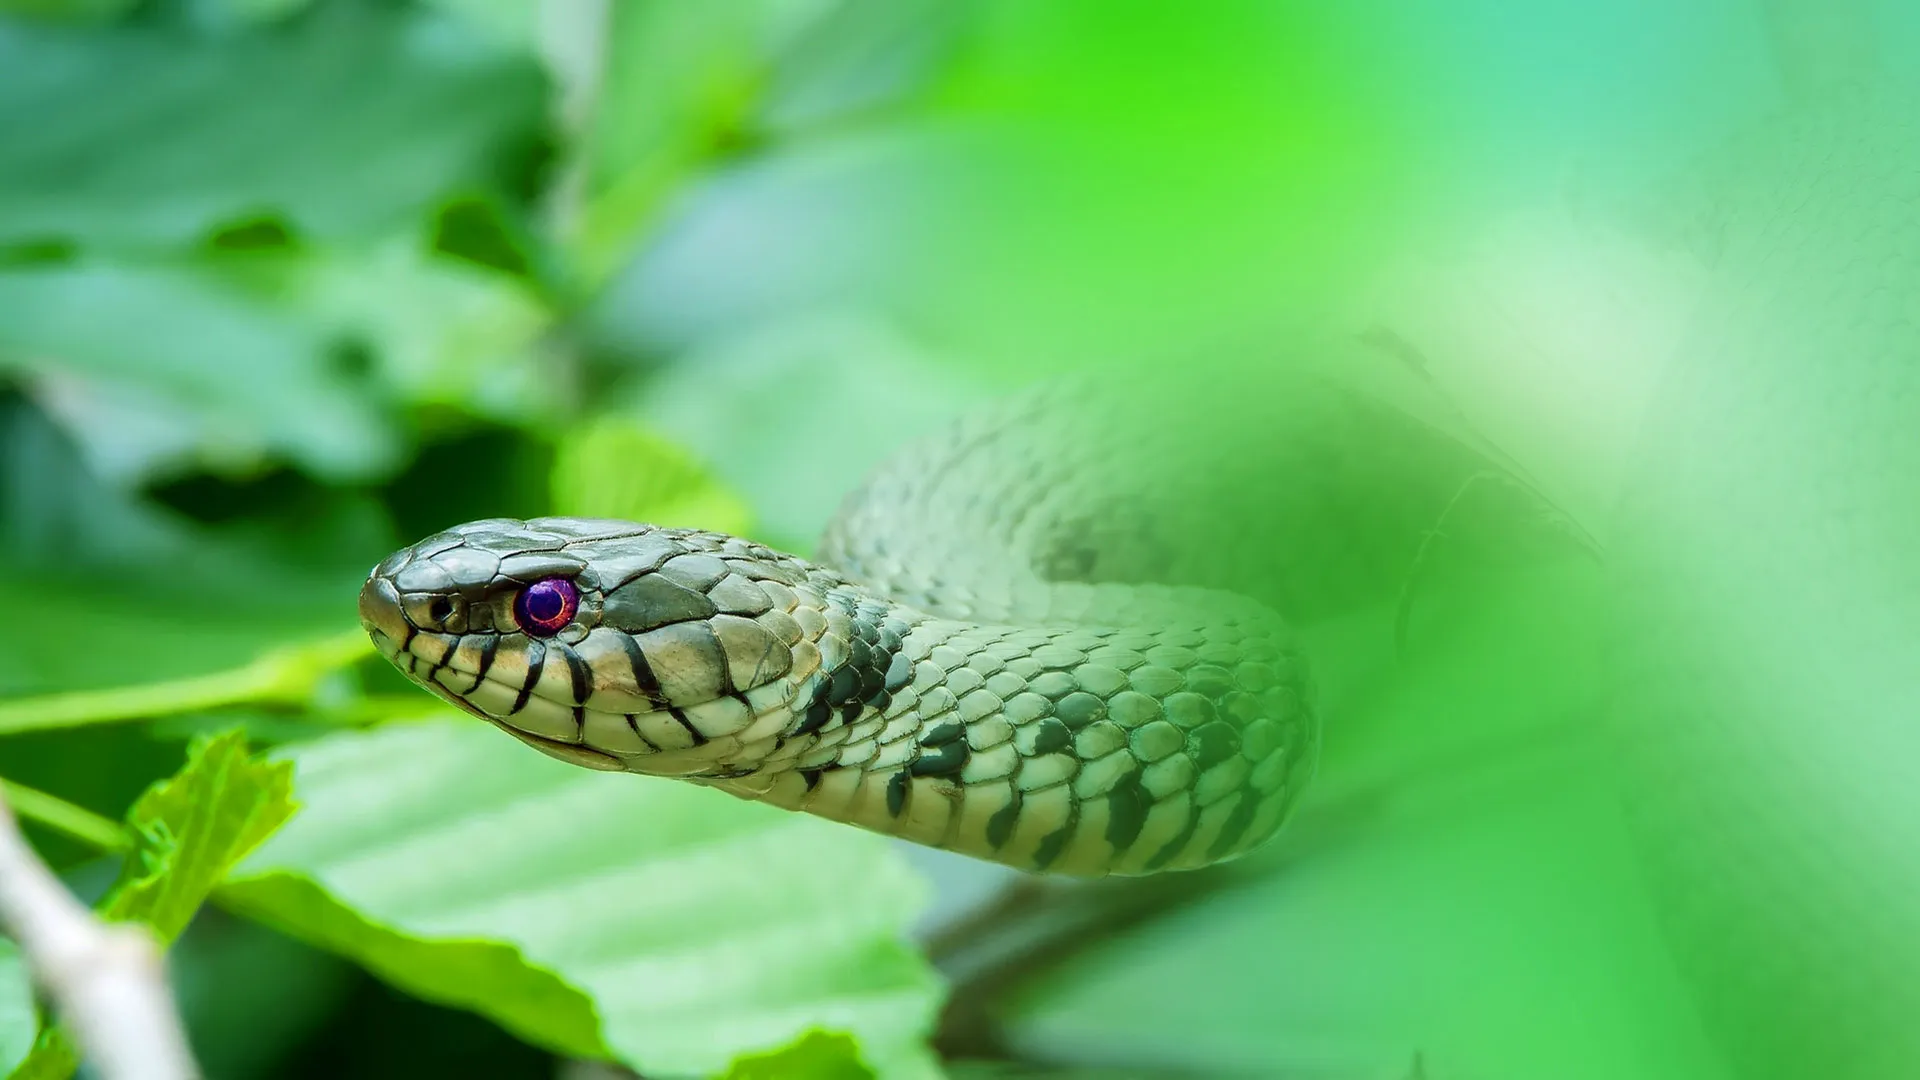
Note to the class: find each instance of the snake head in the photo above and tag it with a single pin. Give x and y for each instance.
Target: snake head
(607, 644)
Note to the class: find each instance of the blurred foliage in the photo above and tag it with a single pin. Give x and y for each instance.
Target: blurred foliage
(285, 284)
(188, 832)
(591, 476)
(815, 1057)
(17, 1018)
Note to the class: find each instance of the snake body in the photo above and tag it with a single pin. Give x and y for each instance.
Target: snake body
(967, 677)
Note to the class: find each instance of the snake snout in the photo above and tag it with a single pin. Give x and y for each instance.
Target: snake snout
(381, 614)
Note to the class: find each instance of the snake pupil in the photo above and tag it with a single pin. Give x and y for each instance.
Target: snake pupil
(544, 608)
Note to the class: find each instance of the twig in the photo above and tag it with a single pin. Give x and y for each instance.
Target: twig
(105, 981)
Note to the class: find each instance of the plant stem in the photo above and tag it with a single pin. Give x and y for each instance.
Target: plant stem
(58, 814)
(284, 675)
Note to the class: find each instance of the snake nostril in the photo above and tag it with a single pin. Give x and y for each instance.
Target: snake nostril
(440, 610)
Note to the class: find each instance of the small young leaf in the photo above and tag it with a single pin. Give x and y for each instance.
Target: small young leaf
(53, 1057)
(191, 829)
(619, 469)
(817, 1056)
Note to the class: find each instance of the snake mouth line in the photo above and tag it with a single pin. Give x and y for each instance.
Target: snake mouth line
(429, 672)
(671, 742)
(568, 752)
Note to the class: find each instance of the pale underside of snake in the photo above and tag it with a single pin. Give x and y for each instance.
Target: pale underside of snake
(1025, 638)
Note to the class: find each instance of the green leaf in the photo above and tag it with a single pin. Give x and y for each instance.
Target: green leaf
(191, 829)
(817, 1056)
(345, 121)
(135, 578)
(618, 469)
(74, 11)
(512, 23)
(252, 383)
(441, 331)
(1041, 172)
(53, 1057)
(599, 915)
(852, 60)
(733, 405)
(686, 85)
(18, 1018)
(677, 80)
(1457, 885)
(231, 361)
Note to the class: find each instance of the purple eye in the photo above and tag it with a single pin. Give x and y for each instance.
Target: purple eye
(544, 608)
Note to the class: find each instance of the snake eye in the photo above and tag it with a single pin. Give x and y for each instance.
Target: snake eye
(545, 607)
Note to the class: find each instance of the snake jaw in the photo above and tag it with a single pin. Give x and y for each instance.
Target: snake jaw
(567, 752)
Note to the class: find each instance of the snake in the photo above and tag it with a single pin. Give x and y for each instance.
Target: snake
(1048, 634)
(949, 671)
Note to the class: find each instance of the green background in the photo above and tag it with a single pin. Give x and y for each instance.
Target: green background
(286, 284)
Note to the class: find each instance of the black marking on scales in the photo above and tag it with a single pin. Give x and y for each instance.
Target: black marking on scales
(816, 715)
(536, 663)
(489, 647)
(699, 739)
(441, 663)
(1173, 847)
(1000, 825)
(582, 679)
(942, 751)
(644, 680)
(1127, 806)
(1051, 736)
(942, 760)
(1055, 842)
(1236, 823)
(633, 725)
(873, 669)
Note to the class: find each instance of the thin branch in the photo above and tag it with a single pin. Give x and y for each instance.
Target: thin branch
(106, 981)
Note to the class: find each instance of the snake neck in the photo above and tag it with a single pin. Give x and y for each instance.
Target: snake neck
(1071, 748)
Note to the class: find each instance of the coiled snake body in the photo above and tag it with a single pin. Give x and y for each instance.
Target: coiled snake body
(956, 670)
